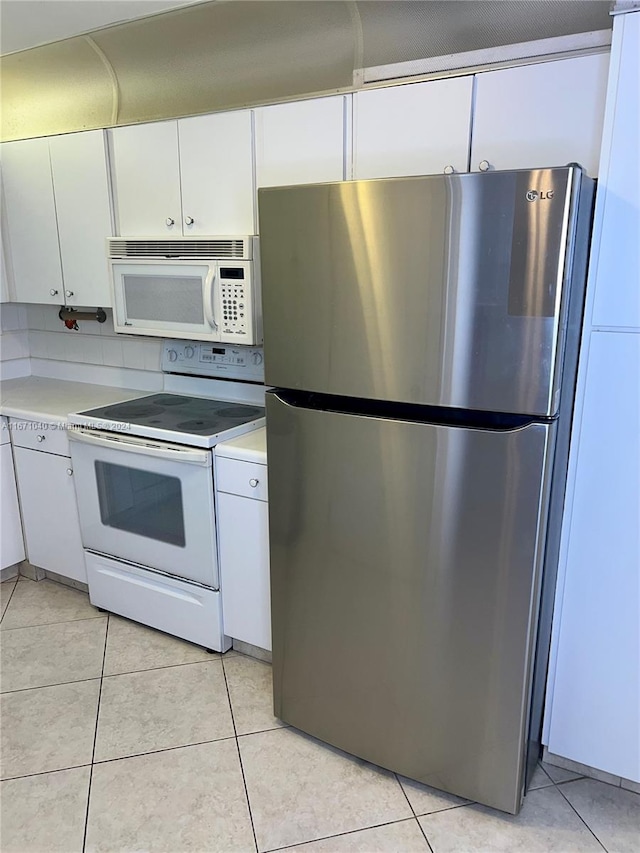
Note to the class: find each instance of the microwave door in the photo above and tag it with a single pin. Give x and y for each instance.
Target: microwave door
(165, 298)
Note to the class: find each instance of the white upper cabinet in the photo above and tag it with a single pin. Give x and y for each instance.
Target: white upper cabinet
(81, 183)
(216, 167)
(188, 177)
(301, 143)
(416, 129)
(31, 221)
(616, 246)
(146, 179)
(547, 114)
(58, 218)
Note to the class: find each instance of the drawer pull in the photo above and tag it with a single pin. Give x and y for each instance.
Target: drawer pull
(253, 482)
(40, 438)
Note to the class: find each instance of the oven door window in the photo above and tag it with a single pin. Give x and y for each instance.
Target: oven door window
(141, 502)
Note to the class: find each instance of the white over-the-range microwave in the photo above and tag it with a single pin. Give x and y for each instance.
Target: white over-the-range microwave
(198, 288)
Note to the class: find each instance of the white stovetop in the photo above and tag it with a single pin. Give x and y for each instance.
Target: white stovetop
(39, 398)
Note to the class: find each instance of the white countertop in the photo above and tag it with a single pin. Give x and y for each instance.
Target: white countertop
(250, 447)
(37, 398)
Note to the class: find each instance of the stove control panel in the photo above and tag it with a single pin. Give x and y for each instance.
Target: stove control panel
(217, 360)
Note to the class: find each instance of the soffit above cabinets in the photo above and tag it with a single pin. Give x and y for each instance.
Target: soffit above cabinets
(213, 56)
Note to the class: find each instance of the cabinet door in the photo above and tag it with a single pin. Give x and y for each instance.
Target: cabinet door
(244, 569)
(547, 114)
(31, 221)
(50, 513)
(216, 168)
(11, 543)
(595, 707)
(617, 246)
(300, 143)
(417, 129)
(146, 180)
(80, 182)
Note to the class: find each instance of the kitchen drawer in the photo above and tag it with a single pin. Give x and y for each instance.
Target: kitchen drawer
(50, 437)
(247, 479)
(171, 605)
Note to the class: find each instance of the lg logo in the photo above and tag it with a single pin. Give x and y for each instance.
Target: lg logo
(534, 195)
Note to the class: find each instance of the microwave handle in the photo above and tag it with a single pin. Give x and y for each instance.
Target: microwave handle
(208, 297)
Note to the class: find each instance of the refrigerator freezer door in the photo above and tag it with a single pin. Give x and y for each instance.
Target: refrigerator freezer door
(405, 582)
(446, 290)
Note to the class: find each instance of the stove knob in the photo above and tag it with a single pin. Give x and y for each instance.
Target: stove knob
(256, 358)
(173, 355)
(189, 352)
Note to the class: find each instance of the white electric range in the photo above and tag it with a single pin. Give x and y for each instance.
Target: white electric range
(143, 473)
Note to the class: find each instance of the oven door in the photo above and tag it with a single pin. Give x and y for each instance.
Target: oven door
(147, 501)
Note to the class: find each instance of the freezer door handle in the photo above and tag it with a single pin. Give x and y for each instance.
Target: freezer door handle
(408, 412)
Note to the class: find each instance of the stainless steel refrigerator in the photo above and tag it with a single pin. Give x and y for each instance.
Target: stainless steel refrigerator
(421, 336)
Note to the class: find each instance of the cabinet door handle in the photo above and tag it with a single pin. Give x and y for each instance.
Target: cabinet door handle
(484, 165)
(189, 220)
(170, 221)
(69, 471)
(68, 293)
(253, 482)
(40, 438)
(53, 292)
(449, 170)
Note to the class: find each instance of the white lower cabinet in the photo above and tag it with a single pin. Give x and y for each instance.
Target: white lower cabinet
(50, 513)
(243, 541)
(11, 541)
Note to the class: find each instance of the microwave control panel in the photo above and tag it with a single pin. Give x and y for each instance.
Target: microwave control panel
(217, 360)
(235, 308)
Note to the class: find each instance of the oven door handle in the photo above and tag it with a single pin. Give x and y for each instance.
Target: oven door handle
(159, 450)
(208, 302)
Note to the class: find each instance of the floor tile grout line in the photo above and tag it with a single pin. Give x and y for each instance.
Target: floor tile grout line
(244, 780)
(209, 659)
(162, 749)
(341, 834)
(566, 799)
(415, 816)
(96, 677)
(134, 755)
(95, 737)
(46, 686)
(51, 624)
(8, 601)
(44, 772)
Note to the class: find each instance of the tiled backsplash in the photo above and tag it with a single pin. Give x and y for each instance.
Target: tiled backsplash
(35, 341)
(14, 341)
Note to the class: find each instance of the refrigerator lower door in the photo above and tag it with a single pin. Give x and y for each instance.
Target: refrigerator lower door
(405, 570)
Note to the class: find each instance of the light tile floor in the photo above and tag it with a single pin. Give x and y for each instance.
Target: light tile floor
(116, 738)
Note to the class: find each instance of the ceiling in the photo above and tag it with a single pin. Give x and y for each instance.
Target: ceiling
(30, 23)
